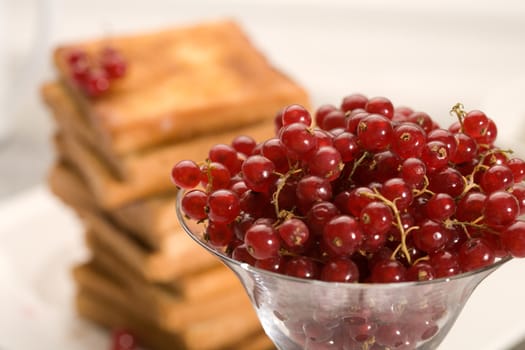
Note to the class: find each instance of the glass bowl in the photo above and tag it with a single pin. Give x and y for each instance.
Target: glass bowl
(309, 314)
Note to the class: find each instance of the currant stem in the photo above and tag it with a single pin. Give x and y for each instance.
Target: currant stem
(280, 186)
(357, 163)
(398, 224)
(417, 193)
(459, 110)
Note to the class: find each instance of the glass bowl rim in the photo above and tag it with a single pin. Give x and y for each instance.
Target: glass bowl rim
(252, 269)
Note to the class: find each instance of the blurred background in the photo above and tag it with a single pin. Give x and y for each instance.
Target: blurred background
(428, 55)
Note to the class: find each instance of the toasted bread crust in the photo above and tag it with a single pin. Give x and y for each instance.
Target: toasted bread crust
(181, 83)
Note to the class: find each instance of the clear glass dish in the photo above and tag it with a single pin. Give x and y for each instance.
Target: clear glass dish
(309, 314)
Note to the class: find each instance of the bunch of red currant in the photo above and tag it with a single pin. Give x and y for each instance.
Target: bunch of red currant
(372, 193)
(94, 74)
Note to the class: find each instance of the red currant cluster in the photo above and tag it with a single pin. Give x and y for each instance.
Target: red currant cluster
(93, 75)
(372, 193)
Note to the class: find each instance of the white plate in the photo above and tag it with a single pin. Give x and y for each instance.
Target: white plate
(40, 241)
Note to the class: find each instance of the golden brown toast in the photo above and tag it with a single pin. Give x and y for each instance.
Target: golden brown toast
(152, 220)
(166, 308)
(112, 312)
(180, 83)
(185, 257)
(147, 175)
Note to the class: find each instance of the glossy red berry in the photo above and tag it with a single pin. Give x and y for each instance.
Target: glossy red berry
(375, 132)
(223, 206)
(123, 339)
(388, 271)
(113, 63)
(186, 174)
(193, 204)
(340, 270)
(258, 173)
(262, 241)
(513, 239)
(380, 105)
(342, 235)
(353, 101)
(296, 114)
(501, 209)
(294, 233)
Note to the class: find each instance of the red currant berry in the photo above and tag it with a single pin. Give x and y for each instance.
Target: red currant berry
(193, 204)
(440, 207)
(353, 101)
(421, 271)
(422, 119)
(258, 173)
(501, 209)
(219, 234)
(430, 236)
(413, 171)
(388, 271)
(244, 144)
(296, 114)
(262, 241)
(475, 124)
(398, 192)
(513, 239)
(298, 138)
(241, 253)
(347, 146)
(380, 105)
(95, 83)
(186, 174)
(321, 113)
(123, 339)
(274, 264)
(448, 180)
(446, 137)
(375, 132)
(113, 63)
(215, 176)
(496, 178)
(312, 189)
(294, 233)
(326, 162)
(376, 217)
(342, 235)
(334, 120)
(302, 267)
(470, 206)
(435, 155)
(223, 206)
(466, 149)
(319, 215)
(445, 263)
(340, 270)
(474, 254)
(227, 156)
(517, 166)
(408, 140)
(489, 136)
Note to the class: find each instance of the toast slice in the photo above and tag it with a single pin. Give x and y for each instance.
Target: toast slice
(180, 83)
(152, 220)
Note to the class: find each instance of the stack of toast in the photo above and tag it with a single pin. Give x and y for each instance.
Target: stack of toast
(184, 90)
